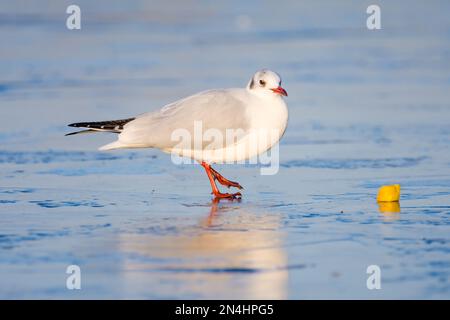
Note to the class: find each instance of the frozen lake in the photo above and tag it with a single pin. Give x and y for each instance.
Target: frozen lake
(367, 108)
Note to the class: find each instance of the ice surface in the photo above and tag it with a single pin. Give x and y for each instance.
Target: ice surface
(366, 108)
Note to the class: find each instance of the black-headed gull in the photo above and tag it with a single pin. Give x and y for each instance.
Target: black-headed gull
(214, 126)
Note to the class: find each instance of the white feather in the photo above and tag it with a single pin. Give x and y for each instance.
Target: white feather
(252, 111)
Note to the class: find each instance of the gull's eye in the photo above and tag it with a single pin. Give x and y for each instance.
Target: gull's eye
(262, 82)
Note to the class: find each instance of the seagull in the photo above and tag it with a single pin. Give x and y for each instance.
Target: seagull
(256, 116)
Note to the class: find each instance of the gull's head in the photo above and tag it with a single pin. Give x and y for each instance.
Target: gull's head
(266, 83)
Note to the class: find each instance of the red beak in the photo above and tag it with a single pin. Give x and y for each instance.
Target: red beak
(280, 90)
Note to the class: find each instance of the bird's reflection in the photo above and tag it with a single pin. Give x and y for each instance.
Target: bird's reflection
(236, 251)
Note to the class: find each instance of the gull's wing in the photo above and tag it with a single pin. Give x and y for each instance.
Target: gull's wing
(214, 109)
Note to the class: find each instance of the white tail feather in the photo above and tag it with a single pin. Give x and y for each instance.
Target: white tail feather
(112, 146)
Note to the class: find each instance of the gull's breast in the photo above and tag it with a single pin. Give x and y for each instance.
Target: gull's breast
(267, 126)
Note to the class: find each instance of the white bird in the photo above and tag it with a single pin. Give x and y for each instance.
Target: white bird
(214, 126)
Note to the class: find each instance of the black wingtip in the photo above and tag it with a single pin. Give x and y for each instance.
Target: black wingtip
(73, 125)
(82, 131)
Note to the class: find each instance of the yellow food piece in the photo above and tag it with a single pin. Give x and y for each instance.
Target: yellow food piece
(389, 207)
(389, 193)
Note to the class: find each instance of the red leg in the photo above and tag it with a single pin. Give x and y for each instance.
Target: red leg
(215, 190)
(224, 181)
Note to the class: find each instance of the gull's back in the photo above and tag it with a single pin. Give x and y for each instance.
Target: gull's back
(220, 109)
